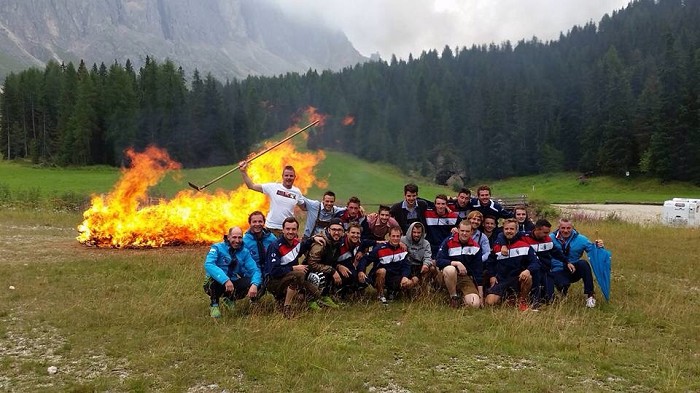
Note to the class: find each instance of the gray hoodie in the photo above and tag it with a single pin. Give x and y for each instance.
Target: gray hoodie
(418, 252)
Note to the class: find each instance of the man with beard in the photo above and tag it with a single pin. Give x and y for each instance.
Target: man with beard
(285, 276)
(419, 253)
(323, 257)
(231, 272)
(514, 267)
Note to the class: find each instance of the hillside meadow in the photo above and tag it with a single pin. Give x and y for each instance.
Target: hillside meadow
(27, 185)
(137, 320)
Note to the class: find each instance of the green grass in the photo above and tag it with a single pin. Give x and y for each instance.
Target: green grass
(137, 320)
(566, 188)
(345, 174)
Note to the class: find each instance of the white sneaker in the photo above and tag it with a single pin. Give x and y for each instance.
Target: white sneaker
(590, 302)
(383, 300)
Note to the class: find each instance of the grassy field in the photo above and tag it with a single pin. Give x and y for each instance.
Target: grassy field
(346, 175)
(137, 320)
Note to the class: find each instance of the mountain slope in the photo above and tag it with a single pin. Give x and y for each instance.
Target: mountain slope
(229, 38)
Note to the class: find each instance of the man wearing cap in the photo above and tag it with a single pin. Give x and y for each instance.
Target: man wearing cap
(323, 258)
(231, 272)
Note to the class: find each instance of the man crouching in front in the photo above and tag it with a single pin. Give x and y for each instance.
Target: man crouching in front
(231, 272)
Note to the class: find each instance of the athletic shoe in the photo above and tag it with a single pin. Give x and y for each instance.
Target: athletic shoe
(455, 301)
(391, 295)
(287, 311)
(383, 300)
(313, 306)
(215, 312)
(522, 305)
(328, 302)
(590, 302)
(230, 304)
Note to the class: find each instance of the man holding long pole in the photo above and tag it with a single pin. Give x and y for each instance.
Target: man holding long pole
(283, 196)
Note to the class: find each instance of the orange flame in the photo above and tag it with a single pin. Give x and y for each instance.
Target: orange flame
(348, 121)
(124, 219)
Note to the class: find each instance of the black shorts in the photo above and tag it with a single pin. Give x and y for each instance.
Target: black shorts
(393, 281)
(504, 286)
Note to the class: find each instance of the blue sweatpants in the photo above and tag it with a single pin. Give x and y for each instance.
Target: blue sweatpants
(564, 278)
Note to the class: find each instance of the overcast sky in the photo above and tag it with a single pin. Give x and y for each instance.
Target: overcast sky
(410, 26)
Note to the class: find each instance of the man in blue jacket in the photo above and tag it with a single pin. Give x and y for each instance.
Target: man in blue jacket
(231, 272)
(258, 238)
(564, 273)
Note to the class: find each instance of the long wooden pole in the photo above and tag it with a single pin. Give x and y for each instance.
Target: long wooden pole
(200, 188)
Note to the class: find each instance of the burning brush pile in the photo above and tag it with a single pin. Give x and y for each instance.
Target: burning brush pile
(124, 218)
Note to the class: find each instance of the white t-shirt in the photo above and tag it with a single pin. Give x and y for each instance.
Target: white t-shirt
(282, 202)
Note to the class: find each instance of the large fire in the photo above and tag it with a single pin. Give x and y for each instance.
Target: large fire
(124, 218)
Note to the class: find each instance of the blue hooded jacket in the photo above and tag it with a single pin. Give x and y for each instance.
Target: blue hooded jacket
(572, 248)
(221, 265)
(258, 247)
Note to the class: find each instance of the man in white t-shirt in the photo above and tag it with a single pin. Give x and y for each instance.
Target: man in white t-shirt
(283, 196)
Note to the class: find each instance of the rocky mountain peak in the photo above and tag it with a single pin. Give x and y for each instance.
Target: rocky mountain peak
(229, 38)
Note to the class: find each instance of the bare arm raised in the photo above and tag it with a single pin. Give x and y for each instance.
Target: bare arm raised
(243, 166)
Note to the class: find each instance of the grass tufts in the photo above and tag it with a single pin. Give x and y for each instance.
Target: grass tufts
(137, 320)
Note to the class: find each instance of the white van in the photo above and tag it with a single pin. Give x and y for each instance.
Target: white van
(682, 212)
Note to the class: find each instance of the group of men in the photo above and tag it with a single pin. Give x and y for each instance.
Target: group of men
(452, 243)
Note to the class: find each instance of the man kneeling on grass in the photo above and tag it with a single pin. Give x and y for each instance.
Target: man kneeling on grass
(459, 258)
(323, 259)
(231, 272)
(567, 271)
(390, 267)
(511, 267)
(284, 275)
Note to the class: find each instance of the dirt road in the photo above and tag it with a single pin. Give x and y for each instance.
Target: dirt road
(643, 214)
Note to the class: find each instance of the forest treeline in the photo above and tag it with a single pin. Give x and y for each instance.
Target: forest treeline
(619, 96)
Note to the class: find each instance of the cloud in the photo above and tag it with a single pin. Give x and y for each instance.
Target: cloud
(410, 26)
